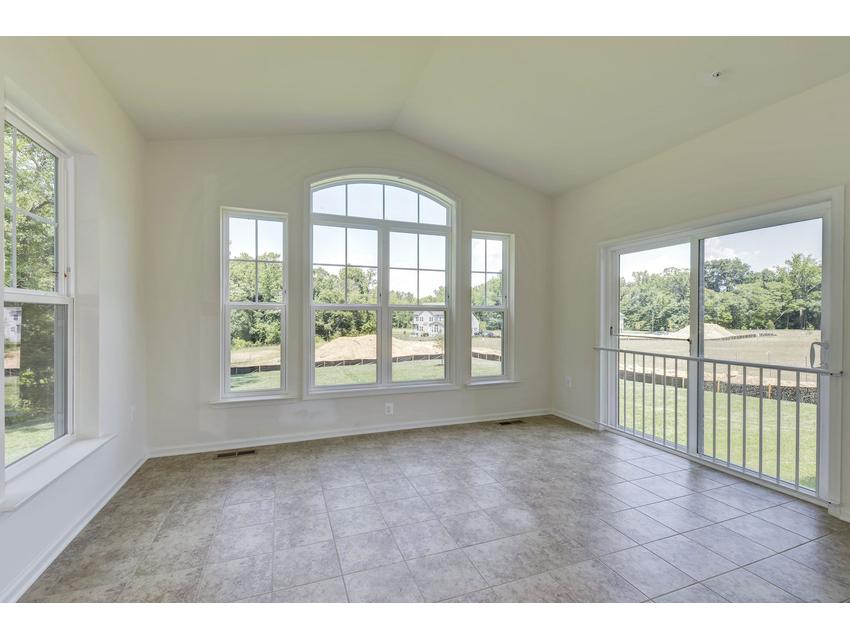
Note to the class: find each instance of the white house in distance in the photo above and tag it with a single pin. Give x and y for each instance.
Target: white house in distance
(429, 323)
(432, 324)
(12, 324)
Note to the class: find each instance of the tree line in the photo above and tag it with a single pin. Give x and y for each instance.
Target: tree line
(736, 296)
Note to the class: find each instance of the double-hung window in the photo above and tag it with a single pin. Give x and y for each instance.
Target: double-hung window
(380, 284)
(37, 292)
(254, 296)
(491, 316)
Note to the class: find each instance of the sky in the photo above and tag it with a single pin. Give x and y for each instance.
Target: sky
(763, 248)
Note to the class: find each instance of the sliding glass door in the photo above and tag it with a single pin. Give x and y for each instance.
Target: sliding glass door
(717, 343)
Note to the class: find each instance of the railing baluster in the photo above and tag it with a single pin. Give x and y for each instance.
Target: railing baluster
(676, 402)
(744, 420)
(817, 434)
(664, 403)
(797, 438)
(643, 395)
(625, 389)
(634, 392)
(728, 414)
(653, 398)
(714, 412)
(761, 419)
(778, 422)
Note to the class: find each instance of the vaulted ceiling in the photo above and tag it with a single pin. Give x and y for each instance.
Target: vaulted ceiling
(552, 113)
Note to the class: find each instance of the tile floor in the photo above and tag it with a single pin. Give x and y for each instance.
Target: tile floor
(543, 511)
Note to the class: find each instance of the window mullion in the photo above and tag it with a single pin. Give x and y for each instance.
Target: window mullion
(13, 218)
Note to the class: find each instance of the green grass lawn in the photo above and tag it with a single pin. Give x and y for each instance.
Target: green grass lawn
(22, 440)
(416, 371)
(729, 418)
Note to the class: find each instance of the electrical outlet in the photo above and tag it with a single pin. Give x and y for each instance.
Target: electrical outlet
(389, 408)
(568, 381)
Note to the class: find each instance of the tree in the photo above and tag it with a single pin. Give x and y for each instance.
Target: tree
(725, 274)
(735, 297)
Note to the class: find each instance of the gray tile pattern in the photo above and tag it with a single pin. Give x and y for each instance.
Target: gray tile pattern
(543, 511)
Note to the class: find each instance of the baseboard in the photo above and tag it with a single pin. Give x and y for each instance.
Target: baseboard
(840, 512)
(168, 451)
(581, 421)
(40, 564)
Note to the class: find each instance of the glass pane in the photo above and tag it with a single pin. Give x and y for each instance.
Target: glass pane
(366, 200)
(655, 300)
(35, 363)
(36, 254)
(7, 244)
(403, 250)
(8, 132)
(478, 254)
(328, 284)
(362, 285)
(432, 252)
(36, 178)
(329, 245)
(329, 200)
(487, 343)
(346, 347)
(494, 256)
(254, 350)
(401, 204)
(241, 233)
(494, 289)
(763, 293)
(432, 287)
(270, 275)
(403, 286)
(243, 281)
(478, 289)
(362, 247)
(431, 212)
(418, 346)
(270, 240)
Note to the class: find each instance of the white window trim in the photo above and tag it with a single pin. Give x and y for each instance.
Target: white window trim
(827, 205)
(227, 396)
(64, 294)
(507, 307)
(383, 384)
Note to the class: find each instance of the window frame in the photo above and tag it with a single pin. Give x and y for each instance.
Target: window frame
(226, 394)
(63, 295)
(382, 307)
(506, 306)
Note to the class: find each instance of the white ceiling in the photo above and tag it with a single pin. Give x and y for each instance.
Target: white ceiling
(552, 113)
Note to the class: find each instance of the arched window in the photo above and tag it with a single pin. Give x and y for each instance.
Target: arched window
(381, 254)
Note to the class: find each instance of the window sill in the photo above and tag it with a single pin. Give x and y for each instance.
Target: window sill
(26, 485)
(484, 383)
(379, 390)
(252, 399)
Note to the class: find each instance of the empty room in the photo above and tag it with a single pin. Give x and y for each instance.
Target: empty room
(396, 319)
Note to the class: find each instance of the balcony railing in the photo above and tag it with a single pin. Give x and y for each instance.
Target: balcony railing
(763, 420)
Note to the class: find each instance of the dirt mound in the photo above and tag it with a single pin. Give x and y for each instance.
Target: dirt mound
(711, 331)
(363, 347)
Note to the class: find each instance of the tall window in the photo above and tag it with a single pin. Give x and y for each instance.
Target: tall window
(37, 302)
(490, 273)
(380, 286)
(254, 275)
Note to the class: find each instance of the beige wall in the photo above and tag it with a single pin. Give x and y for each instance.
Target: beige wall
(47, 79)
(187, 182)
(794, 147)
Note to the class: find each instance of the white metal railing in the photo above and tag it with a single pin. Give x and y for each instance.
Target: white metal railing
(762, 420)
